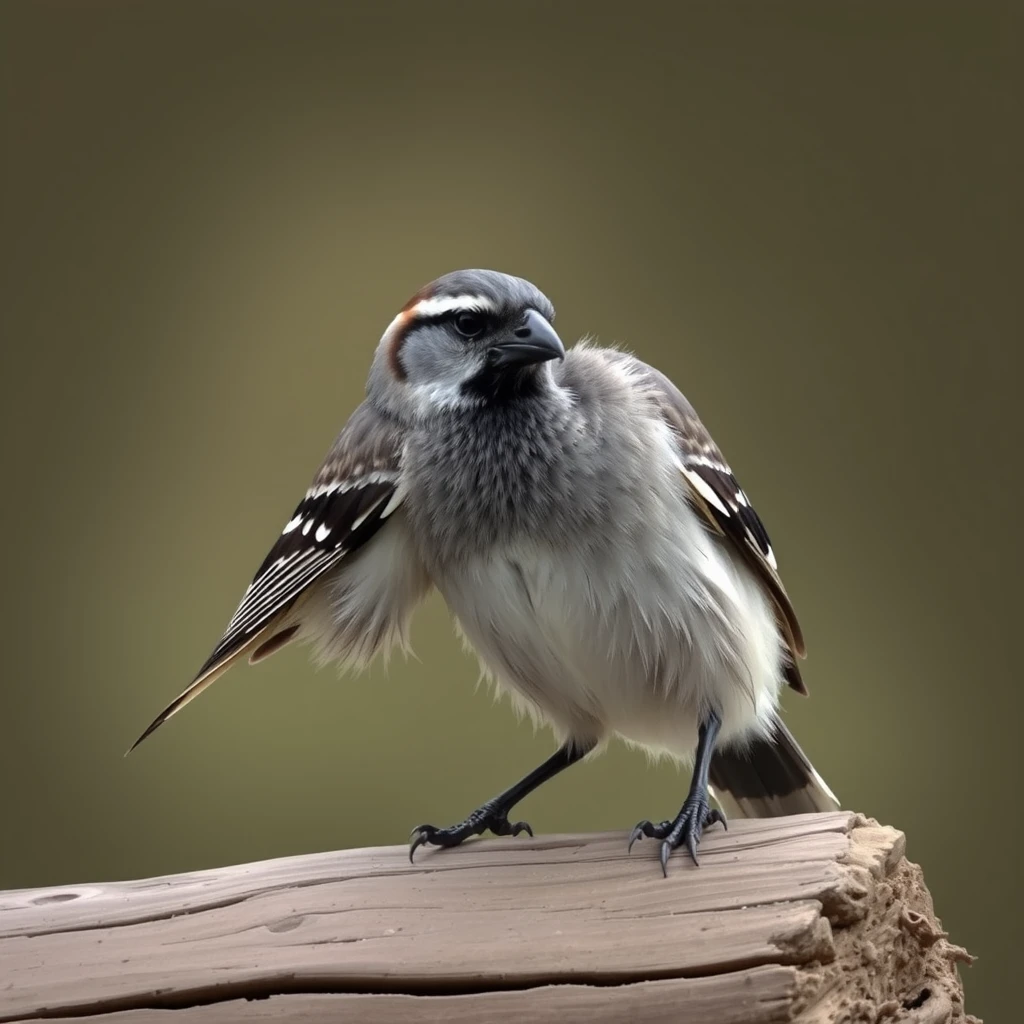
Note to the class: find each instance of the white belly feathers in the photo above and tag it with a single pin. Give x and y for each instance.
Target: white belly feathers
(598, 642)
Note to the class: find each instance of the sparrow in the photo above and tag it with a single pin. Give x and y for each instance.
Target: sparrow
(588, 536)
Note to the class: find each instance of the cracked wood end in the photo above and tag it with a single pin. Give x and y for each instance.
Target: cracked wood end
(813, 918)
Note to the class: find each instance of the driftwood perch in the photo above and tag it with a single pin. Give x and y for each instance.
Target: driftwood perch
(814, 918)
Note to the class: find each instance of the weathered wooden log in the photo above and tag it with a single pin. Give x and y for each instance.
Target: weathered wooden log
(814, 918)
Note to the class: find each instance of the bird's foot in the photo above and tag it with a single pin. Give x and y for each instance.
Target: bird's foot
(489, 817)
(695, 816)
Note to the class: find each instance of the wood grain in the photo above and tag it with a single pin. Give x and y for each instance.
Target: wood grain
(563, 928)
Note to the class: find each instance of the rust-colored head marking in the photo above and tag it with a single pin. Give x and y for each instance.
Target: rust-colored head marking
(399, 328)
(397, 332)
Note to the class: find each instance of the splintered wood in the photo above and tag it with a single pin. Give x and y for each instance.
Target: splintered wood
(814, 918)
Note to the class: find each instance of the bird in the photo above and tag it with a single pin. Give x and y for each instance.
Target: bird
(592, 545)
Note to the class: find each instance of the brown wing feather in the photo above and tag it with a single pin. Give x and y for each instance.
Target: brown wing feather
(354, 491)
(725, 507)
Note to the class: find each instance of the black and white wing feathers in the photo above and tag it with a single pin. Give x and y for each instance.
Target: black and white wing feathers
(724, 505)
(353, 493)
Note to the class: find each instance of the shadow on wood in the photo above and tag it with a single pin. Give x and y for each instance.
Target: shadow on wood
(813, 918)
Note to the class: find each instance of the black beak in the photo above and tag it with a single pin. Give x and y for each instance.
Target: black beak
(533, 342)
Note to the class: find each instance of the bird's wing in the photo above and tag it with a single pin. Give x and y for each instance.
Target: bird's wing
(722, 503)
(355, 490)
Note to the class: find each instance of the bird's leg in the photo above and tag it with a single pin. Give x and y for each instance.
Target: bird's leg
(695, 814)
(493, 815)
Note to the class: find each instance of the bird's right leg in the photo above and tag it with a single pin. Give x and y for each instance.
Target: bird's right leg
(696, 813)
(493, 815)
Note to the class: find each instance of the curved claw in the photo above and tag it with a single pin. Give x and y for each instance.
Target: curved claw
(665, 853)
(649, 829)
(521, 826)
(691, 847)
(716, 815)
(637, 833)
(422, 838)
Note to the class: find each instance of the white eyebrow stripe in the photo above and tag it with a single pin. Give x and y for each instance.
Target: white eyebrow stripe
(451, 303)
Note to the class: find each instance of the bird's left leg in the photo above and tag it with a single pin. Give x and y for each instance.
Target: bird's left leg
(696, 813)
(493, 815)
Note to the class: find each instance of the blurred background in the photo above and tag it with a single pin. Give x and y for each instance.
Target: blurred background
(808, 215)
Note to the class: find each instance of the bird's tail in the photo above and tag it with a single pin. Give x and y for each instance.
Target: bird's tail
(772, 777)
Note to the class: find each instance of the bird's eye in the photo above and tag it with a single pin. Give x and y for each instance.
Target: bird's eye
(470, 325)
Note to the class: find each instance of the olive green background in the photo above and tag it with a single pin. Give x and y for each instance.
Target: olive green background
(808, 215)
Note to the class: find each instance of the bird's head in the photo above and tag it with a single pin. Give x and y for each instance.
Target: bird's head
(471, 338)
